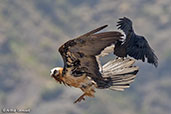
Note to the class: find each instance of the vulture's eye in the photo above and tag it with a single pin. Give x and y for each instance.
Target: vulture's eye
(54, 72)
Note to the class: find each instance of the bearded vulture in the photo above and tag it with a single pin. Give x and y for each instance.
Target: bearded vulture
(82, 69)
(134, 45)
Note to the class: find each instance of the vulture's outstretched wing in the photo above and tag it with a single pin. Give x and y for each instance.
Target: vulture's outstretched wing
(79, 54)
(136, 46)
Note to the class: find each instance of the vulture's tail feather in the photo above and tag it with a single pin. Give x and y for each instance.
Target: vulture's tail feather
(119, 73)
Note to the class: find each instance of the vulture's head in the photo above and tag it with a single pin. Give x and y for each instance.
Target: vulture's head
(57, 74)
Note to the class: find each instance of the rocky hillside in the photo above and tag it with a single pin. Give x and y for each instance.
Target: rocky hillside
(32, 30)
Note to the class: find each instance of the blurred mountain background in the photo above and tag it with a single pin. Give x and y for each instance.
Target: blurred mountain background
(31, 32)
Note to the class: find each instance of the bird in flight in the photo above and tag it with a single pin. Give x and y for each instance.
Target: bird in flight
(134, 45)
(82, 68)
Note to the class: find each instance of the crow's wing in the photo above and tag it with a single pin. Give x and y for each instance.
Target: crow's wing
(125, 24)
(79, 54)
(141, 50)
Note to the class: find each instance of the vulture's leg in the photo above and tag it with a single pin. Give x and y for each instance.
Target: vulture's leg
(80, 98)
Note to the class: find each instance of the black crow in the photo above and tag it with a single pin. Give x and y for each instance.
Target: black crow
(134, 45)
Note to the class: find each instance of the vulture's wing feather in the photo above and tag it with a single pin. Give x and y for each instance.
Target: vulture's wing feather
(93, 31)
(80, 53)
